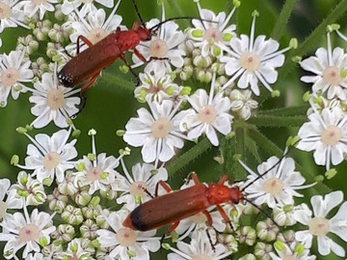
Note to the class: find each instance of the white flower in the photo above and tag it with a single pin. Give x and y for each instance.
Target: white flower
(319, 226)
(326, 134)
(14, 71)
(124, 241)
(211, 33)
(329, 68)
(53, 102)
(94, 27)
(163, 46)
(4, 185)
(88, 6)
(78, 248)
(98, 174)
(252, 61)
(10, 15)
(158, 132)
(199, 248)
(278, 185)
(27, 191)
(31, 7)
(50, 157)
(242, 103)
(156, 85)
(144, 178)
(210, 113)
(25, 231)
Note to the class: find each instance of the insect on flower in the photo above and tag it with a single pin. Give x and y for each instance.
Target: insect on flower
(86, 66)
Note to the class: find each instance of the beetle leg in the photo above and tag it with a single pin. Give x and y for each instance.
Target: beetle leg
(223, 179)
(83, 39)
(122, 57)
(208, 217)
(163, 185)
(194, 177)
(224, 215)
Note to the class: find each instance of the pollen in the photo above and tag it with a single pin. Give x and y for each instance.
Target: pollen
(9, 77)
(55, 99)
(126, 237)
(319, 226)
(158, 48)
(51, 160)
(3, 209)
(29, 233)
(273, 186)
(201, 257)
(94, 174)
(5, 11)
(331, 135)
(250, 61)
(39, 2)
(208, 114)
(96, 35)
(199, 218)
(161, 128)
(212, 35)
(138, 189)
(332, 76)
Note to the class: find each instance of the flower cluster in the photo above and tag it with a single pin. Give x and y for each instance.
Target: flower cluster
(199, 89)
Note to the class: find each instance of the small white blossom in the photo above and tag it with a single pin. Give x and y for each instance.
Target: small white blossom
(157, 132)
(53, 102)
(87, 6)
(32, 7)
(326, 135)
(94, 27)
(252, 60)
(50, 157)
(10, 15)
(124, 241)
(213, 32)
(163, 47)
(278, 185)
(320, 226)
(209, 113)
(198, 248)
(14, 71)
(242, 102)
(156, 85)
(25, 231)
(329, 68)
(98, 174)
(27, 191)
(4, 185)
(144, 178)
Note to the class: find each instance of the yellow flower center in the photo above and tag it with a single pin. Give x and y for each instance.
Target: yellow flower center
(161, 128)
(331, 135)
(158, 48)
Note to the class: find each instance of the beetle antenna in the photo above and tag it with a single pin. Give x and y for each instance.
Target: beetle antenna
(138, 12)
(271, 168)
(156, 27)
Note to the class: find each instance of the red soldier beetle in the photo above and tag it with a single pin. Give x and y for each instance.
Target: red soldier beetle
(87, 65)
(161, 210)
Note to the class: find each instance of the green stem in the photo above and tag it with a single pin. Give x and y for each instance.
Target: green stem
(282, 20)
(312, 40)
(284, 111)
(277, 121)
(118, 80)
(184, 159)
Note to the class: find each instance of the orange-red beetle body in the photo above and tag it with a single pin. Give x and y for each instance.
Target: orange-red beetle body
(172, 207)
(87, 65)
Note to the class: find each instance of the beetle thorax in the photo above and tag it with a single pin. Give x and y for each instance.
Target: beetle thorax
(218, 194)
